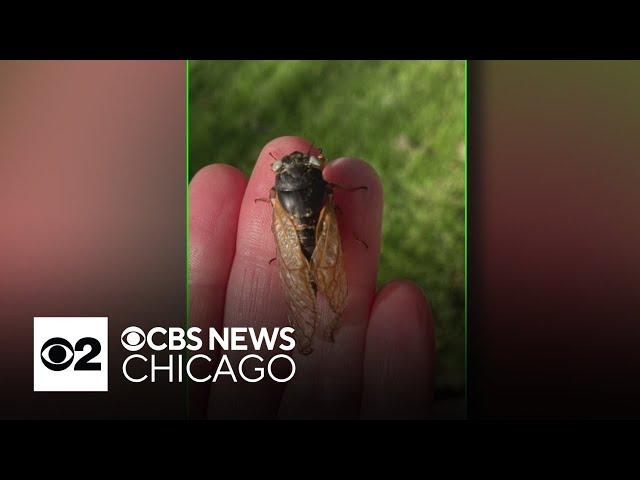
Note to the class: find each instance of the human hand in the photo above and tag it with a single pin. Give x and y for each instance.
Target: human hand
(382, 362)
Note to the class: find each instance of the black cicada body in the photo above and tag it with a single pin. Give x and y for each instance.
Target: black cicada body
(308, 244)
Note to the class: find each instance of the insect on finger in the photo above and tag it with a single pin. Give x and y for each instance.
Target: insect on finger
(308, 243)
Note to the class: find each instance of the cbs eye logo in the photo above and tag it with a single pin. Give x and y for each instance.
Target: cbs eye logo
(133, 338)
(58, 354)
(70, 354)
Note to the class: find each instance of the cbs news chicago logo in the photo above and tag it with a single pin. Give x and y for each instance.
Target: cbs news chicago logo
(70, 354)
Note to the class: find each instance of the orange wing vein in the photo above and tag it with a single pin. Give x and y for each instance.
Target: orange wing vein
(327, 267)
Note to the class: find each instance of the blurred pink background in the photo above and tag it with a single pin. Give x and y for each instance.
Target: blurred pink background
(92, 202)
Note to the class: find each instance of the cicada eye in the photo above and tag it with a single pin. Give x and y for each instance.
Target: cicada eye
(315, 161)
(57, 354)
(275, 166)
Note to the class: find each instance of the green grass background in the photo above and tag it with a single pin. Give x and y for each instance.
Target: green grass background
(406, 118)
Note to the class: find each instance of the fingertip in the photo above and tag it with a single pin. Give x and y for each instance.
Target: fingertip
(360, 221)
(215, 193)
(215, 196)
(400, 354)
(363, 207)
(352, 170)
(218, 176)
(281, 146)
(286, 141)
(408, 298)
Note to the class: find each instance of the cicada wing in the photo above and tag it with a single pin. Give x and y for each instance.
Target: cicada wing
(327, 266)
(295, 276)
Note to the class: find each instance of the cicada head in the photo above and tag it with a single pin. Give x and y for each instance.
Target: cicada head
(299, 170)
(298, 161)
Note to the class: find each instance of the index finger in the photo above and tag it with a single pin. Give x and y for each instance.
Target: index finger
(328, 383)
(254, 297)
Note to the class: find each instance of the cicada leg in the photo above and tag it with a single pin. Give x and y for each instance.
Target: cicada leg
(339, 211)
(348, 189)
(272, 193)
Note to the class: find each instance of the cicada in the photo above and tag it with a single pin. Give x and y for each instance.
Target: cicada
(308, 245)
